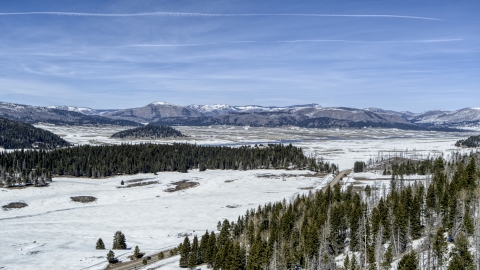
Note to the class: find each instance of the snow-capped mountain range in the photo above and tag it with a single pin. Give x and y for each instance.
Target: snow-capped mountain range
(308, 115)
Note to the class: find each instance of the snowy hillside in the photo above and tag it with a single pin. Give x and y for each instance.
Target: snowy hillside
(86, 111)
(463, 117)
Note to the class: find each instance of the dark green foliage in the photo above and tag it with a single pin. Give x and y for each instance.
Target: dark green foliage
(161, 256)
(461, 258)
(150, 132)
(16, 135)
(111, 257)
(136, 252)
(119, 241)
(102, 161)
(354, 263)
(100, 244)
(388, 258)
(184, 252)
(194, 257)
(311, 230)
(408, 262)
(346, 263)
(144, 261)
(440, 246)
(472, 142)
(359, 166)
(122, 183)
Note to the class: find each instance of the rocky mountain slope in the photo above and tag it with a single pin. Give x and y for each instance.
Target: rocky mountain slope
(309, 115)
(56, 115)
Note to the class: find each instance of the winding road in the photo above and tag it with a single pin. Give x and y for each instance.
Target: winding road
(337, 178)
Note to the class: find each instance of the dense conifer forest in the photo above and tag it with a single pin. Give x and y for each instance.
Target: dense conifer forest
(19, 167)
(150, 132)
(17, 135)
(472, 142)
(403, 227)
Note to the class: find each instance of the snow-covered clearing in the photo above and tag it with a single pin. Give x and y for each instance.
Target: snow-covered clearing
(53, 232)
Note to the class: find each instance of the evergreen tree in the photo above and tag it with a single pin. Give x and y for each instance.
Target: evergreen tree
(185, 252)
(211, 249)
(195, 252)
(440, 246)
(100, 244)
(161, 256)
(468, 224)
(110, 256)
(119, 241)
(461, 258)
(203, 249)
(415, 218)
(192, 260)
(346, 263)
(354, 264)
(388, 258)
(136, 252)
(144, 261)
(408, 262)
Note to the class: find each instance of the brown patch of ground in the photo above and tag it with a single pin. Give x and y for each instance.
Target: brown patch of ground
(14, 205)
(137, 180)
(181, 185)
(83, 199)
(283, 175)
(139, 184)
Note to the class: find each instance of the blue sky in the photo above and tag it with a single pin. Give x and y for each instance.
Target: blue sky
(400, 55)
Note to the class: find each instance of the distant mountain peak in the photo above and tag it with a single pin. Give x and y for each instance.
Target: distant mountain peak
(157, 103)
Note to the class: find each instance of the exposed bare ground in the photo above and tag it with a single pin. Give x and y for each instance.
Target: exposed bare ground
(181, 185)
(139, 184)
(14, 205)
(137, 180)
(83, 199)
(284, 175)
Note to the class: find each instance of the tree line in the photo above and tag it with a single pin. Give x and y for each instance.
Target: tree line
(373, 229)
(149, 131)
(20, 167)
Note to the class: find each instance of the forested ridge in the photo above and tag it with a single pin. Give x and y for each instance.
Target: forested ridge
(372, 229)
(16, 135)
(472, 142)
(103, 161)
(149, 131)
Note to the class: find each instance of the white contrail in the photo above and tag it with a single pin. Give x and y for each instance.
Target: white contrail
(361, 41)
(187, 14)
(296, 41)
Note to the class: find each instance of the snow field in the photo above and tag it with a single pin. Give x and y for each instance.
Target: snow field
(53, 232)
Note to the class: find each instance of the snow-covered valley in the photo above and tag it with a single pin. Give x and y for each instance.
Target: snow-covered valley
(53, 232)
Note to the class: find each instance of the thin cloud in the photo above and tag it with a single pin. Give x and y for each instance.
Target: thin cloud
(187, 14)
